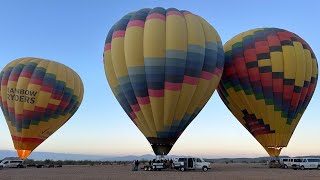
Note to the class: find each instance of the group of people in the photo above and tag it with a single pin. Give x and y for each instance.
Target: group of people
(136, 165)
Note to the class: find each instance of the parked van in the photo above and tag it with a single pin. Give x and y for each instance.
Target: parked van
(11, 164)
(191, 164)
(310, 163)
(291, 163)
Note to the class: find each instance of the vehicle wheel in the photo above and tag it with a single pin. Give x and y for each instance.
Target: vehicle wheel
(302, 167)
(205, 169)
(285, 166)
(146, 168)
(149, 169)
(318, 167)
(182, 169)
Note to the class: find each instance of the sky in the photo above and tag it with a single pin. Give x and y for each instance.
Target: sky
(73, 32)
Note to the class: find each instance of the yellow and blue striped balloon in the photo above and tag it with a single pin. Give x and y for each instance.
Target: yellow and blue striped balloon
(163, 65)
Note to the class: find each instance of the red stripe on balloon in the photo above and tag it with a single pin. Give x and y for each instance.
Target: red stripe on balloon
(39, 109)
(217, 71)
(133, 115)
(156, 16)
(206, 75)
(36, 81)
(52, 106)
(172, 86)
(135, 107)
(4, 82)
(46, 89)
(26, 74)
(190, 80)
(13, 77)
(156, 93)
(118, 34)
(174, 13)
(107, 46)
(143, 100)
(22, 139)
(186, 13)
(136, 23)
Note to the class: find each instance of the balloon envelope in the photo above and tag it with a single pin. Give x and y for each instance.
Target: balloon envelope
(269, 78)
(37, 97)
(163, 66)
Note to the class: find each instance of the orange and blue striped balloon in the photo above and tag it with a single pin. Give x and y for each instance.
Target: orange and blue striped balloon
(163, 65)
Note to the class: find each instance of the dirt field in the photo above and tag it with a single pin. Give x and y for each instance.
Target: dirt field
(121, 172)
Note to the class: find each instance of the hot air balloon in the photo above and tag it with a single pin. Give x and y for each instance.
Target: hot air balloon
(37, 97)
(268, 81)
(163, 65)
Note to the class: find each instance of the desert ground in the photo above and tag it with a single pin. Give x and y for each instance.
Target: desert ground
(122, 172)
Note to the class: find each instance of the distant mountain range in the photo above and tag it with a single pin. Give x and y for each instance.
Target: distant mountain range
(65, 156)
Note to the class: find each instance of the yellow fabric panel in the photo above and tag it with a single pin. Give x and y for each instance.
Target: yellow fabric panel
(154, 31)
(301, 64)
(309, 65)
(210, 33)
(276, 61)
(157, 104)
(195, 31)
(118, 59)
(214, 83)
(171, 99)
(147, 113)
(187, 92)
(133, 46)
(289, 62)
(110, 74)
(143, 125)
(199, 93)
(176, 33)
(264, 62)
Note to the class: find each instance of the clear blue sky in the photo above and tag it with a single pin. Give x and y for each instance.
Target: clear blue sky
(73, 32)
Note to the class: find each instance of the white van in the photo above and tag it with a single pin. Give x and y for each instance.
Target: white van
(291, 162)
(11, 163)
(310, 163)
(191, 164)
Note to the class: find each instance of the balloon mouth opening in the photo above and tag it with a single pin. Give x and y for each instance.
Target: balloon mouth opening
(23, 154)
(274, 151)
(275, 147)
(161, 149)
